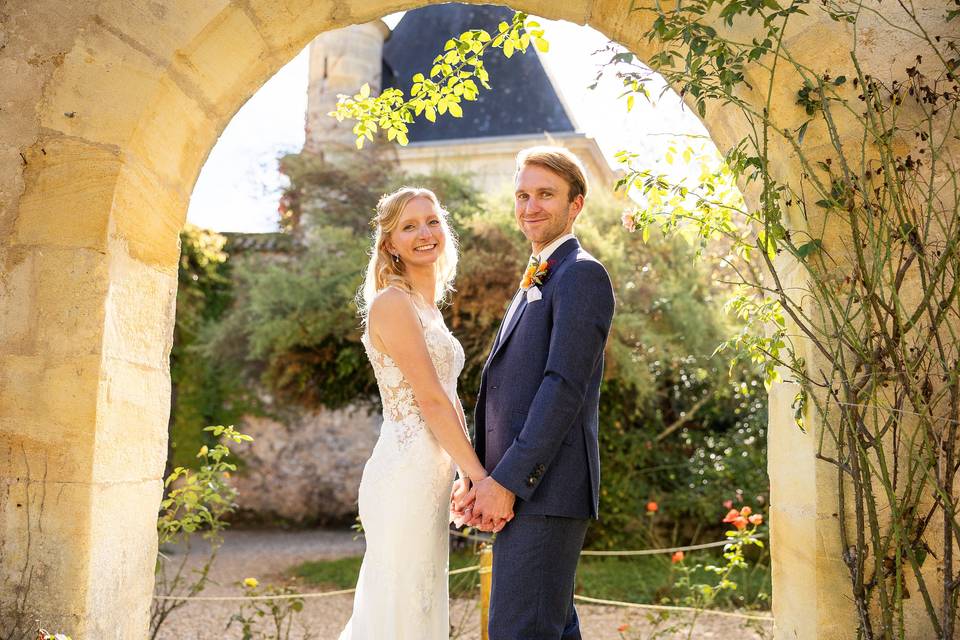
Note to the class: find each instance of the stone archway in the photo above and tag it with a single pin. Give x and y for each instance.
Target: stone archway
(112, 110)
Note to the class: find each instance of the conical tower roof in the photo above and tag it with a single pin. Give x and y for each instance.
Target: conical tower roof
(523, 99)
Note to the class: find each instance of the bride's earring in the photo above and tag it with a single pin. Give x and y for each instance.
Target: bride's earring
(396, 257)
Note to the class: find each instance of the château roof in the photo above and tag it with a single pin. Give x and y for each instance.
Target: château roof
(523, 99)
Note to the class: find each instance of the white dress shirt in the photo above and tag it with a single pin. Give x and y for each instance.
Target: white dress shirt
(544, 255)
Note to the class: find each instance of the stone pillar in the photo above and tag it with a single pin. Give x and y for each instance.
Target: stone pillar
(84, 391)
(341, 61)
(811, 588)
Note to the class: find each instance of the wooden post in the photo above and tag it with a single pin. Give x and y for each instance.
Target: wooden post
(486, 583)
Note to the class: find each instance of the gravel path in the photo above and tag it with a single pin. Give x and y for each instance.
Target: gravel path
(267, 554)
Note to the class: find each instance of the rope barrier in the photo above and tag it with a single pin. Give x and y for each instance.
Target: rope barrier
(650, 552)
(477, 567)
(481, 538)
(291, 596)
(282, 596)
(632, 552)
(664, 607)
(587, 599)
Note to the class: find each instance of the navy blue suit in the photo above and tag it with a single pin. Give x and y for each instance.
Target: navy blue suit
(536, 432)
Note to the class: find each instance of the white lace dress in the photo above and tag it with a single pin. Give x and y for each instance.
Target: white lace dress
(404, 507)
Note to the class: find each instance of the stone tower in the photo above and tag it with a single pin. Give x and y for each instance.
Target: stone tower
(340, 62)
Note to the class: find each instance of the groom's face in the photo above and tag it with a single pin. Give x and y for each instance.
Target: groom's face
(543, 207)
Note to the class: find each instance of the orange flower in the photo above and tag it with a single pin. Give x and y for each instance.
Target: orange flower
(740, 522)
(535, 274)
(652, 507)
(756, 519)
(527, 281)
(623, 627)
(732, 515)
(728, 504)
(746, 511)
(676, 557)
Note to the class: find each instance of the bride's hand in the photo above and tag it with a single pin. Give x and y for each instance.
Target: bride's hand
(460, 489)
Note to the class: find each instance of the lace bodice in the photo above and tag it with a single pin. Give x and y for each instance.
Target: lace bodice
(400, 409)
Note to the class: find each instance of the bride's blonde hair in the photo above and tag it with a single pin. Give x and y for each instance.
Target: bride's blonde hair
(383, 271)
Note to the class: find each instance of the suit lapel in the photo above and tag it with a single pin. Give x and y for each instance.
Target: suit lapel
(513, 323)
(559, 255)
(498, 338)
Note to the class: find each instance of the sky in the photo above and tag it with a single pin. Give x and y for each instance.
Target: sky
(239, 186)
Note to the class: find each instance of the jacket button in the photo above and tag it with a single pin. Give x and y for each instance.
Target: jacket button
(531, 481)
(494, 387)
(540, 468)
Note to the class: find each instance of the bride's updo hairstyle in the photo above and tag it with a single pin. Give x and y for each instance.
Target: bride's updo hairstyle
(383, 271)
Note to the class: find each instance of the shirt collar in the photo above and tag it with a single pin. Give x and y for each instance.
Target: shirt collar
(548, 250)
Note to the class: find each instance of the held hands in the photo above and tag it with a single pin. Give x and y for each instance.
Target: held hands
(458, 502)
(487, 505)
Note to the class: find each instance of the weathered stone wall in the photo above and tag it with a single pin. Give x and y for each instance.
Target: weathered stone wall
(107, 111)
(307, 470)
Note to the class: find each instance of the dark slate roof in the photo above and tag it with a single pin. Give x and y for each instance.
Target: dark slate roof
(522, 99)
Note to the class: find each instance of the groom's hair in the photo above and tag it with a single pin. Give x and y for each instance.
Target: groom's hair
(559, 160)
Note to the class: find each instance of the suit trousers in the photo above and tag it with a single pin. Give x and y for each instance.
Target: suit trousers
(534, 567)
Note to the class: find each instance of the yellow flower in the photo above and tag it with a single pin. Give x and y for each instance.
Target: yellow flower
(251, 582)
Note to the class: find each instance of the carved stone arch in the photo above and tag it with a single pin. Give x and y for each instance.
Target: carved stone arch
(109, 110)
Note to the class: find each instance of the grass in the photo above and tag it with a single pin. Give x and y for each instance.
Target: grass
(342, 573)
(644, 579)
(650, 580)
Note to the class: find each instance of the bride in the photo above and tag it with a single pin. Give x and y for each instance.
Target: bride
(407, 482)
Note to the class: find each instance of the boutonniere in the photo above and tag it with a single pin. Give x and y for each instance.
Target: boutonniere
(535, 277)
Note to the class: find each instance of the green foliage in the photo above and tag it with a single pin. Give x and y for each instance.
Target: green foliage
(204, 391)
(703, 584)
(673, 423)
(197, 501)
(857, 303)
(645, 579)
(271, 607)
(450, 81)
(293, 329)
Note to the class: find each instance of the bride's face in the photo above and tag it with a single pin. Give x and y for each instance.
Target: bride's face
(419, 237)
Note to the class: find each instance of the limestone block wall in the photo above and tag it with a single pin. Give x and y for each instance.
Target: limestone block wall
(107, 111)
(306, 471)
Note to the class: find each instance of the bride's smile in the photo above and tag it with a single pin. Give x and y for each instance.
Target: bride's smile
(419, 237)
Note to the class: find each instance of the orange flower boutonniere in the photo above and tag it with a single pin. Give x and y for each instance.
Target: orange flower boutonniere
(536, 273)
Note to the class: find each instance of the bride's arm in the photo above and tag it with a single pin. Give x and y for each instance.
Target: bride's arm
(466, 432)
(394, 322)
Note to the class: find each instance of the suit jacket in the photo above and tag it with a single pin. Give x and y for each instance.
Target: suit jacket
(536, 415)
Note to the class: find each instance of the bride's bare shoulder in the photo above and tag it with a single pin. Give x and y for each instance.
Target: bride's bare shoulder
(391, 305)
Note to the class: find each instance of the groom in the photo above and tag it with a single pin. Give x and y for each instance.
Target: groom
(536, 416)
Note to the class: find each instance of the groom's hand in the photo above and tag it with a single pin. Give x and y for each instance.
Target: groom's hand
(493, 505)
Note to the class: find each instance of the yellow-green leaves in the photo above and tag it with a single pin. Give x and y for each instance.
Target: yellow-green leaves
(453, 78)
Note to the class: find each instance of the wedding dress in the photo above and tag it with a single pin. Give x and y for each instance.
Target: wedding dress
(405, 506)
